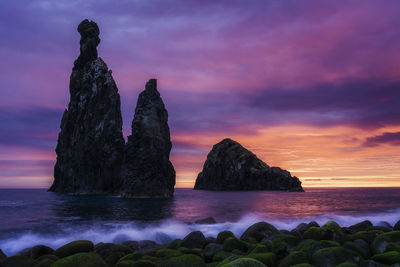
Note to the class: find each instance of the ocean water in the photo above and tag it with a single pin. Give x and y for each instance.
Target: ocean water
(34, 216)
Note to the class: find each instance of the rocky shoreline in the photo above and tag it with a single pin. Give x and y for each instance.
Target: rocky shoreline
(309, 244)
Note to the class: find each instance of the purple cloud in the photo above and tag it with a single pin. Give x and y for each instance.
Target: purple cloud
(385, 138)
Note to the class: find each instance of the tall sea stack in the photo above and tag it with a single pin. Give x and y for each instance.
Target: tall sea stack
(230, 166)
(90, 144)
(147, 170)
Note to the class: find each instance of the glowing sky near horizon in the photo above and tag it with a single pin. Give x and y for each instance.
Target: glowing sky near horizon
(310, 86)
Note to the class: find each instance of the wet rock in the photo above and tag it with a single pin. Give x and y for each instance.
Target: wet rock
(147, 170)
(229, 166)
(223, 235)
(194, 240)
(134, 245)
(208, 220)
(302, 227)
(258, 231)
(380, 243)
(90, 144)
(232, 243)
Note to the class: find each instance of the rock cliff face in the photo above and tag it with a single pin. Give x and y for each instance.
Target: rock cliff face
(229, 166)
(147, 170)
(90, 144)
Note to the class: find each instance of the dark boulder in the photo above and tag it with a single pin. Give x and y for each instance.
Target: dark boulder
(258, 232)
(2, 255)
(194, 240)
(40, 250)
(361, 226)
(147, 170)
(230, 166)
(90, 144)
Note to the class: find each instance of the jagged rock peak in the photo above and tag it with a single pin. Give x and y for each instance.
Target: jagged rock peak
(147, 170)
(230, 166)
(90, 144)
(88, 44)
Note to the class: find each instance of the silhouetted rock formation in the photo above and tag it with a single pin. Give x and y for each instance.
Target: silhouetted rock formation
(90, 144)
(229, 166)
(147, 170)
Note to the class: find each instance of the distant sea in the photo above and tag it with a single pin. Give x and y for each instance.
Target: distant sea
(34, 216)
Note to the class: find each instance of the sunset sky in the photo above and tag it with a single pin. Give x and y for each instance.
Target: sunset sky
(310, 86)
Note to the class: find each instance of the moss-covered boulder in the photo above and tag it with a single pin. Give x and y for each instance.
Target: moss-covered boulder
(287, 238)
(302, 265)
(393, 246)
(74, 247)
(293, 258)
(244, 262)
(309, 246)
(332, 231)
(361, 226)
(40, 250)
(17, 261)
(115, 253)
(390, 257)
(221, 255)
(233, 243)
(384, 229)
(396, 227)
(132, 256)
(302, 227)
(183, 261)
(258, 232)
(363, 252)
(195, 239)
(44, 263)
(210, 250)
(268, 258)
(380, 243)
(48, 257)
(260, 248)
(330, 257)
(86, 259)
(167, 253)
(223, 235)
(175, 244)
(367, 236)
(126, 263)
(139, 263)
(314, 233)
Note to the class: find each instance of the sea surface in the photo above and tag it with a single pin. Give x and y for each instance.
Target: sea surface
(34, 216)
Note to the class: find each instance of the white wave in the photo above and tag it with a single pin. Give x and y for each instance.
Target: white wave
(169, 230)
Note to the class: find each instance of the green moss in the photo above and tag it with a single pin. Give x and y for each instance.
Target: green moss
(81, 260)
(309, 246)
(302, 265)
(45, 263)
(20, 261)
(329, 243)
(48, 257)
(150, 258)
(380, 228)
(167, 253)
(367, 236)
(393, 246)
(183, 261)
(288, 239)
(175, 244)
(314, 233)
(221, 255)
(195, 251)
(268, 258)
(333, 256)
(380, 243)
(260, 248)
(390, 257)
(244, 262)
(232, 243)
(332, 231)
(222, 236)
(294, 258)
(74, 247)
(132, 256)
(361, 251)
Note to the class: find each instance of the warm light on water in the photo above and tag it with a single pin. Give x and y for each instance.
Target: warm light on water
(32, 216)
